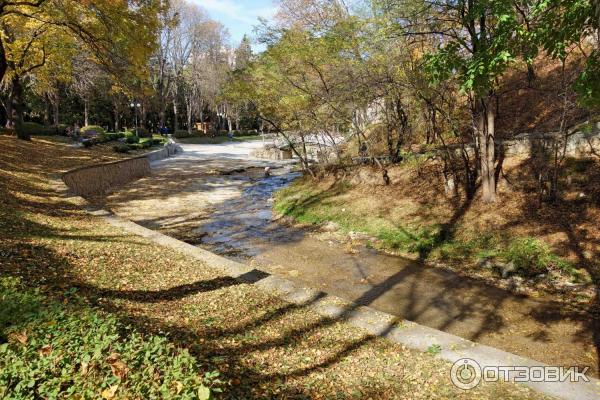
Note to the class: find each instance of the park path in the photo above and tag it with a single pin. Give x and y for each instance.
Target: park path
(216, 197)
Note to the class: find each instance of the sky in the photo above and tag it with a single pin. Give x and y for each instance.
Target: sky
(239, 16)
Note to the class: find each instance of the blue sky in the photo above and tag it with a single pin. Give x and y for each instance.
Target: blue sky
(238, 16)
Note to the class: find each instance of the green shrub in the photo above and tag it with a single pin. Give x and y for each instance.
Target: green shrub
(102, 138)
(158, 141)
(92, 130)
(61, 129)
(248, 132)
(532, 257)
(88, 142)
(143, 132)
(134, 146)
(35, 129)
(132, 139)
(181, 134)
(114, 136)
(52, 350)
(121, 148)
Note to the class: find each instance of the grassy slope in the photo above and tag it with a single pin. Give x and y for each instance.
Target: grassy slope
(261, 346)
(559, 240)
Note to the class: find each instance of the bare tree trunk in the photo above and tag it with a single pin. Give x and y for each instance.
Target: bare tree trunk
(16, 98)
(47, 111)
(56, 110)
(161, 116)
(9, 113)
(189, 115)
(175, 117)
(3, 62)
(143, 115)
(117, 117)
(86, 112)
(486, 131)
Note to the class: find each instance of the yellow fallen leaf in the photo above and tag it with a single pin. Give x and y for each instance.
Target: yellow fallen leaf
(178, 386)
(110, 392)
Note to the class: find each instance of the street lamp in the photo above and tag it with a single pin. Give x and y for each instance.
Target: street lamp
(135, 107)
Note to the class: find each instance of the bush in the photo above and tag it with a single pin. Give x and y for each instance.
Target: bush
(115, 136)
(53, 350)
(92, 130)
(102, 138)
(143, 132)
(533, 257)
(33, 129)
(249, 132)
(132, 139)
(121, 148)
(145, 143)
(158, 141)
(179, 134)
(88, 142)
(134, 146)
(61, 129)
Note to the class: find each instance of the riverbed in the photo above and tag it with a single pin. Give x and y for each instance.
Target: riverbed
(219, 198)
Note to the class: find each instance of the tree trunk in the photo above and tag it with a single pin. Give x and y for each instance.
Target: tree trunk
(175, 118)
(55, 106)
(16, 99)
(86, 112)
(161, 115)
(189, 116)
(117, 118)
(47, 110)
(143, 115)
(3, 62)
(486, 131)
(9, 113)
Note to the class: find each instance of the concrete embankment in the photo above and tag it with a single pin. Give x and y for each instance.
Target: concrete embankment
(98, 179)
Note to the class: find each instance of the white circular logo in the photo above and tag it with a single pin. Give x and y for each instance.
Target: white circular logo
(465, 374)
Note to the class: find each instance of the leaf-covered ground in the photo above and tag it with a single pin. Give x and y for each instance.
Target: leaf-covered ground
(261, 346)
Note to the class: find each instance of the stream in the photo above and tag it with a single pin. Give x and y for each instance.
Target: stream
(224, 204)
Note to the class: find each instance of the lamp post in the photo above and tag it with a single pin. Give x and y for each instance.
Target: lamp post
(135, 107)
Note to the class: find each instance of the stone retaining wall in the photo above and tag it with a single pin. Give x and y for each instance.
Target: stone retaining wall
(98, 179)
(578, 144)
(272, 153)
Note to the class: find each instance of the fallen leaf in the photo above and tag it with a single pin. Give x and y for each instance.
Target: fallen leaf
(45, 350)
(119, 369)
(20, 337)
(178, 387)
(84, 368)
(110, 392)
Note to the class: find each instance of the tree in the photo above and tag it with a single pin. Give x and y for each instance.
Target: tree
(480, 42)
(566, 23)
(118, 35)
(243, 53)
